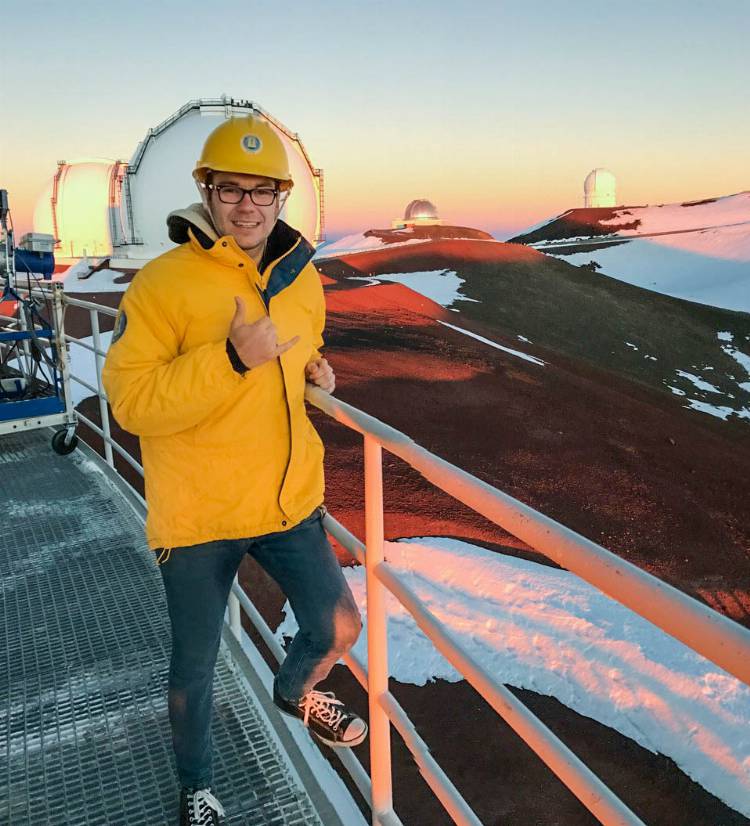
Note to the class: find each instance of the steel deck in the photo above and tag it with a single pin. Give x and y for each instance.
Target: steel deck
(84, 733)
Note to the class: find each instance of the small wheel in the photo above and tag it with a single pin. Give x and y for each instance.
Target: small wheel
(59, 445)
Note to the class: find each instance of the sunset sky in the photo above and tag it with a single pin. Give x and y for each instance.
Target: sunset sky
(496, 111)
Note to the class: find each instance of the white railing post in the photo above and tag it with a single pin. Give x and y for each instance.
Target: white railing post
(377, 639)
(63, 350)
(235, 622)
(103, 412)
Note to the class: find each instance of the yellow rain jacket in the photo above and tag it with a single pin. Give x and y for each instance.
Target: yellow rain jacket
(225, 455)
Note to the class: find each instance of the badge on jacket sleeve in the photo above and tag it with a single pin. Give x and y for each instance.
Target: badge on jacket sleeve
(121, 322)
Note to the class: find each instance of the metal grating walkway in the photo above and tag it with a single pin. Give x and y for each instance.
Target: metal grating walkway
(84, 734)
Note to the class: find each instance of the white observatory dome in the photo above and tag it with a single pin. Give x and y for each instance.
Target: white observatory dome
(76, 207)
(599, 188)
(159, 178)
(420, 208)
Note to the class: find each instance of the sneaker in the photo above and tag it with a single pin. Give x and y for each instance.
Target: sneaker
(326, 717)
(198, 807)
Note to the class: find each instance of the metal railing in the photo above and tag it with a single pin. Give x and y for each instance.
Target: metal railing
(712, 635)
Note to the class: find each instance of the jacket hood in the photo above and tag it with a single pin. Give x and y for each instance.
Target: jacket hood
(282, 241)
(194, 217)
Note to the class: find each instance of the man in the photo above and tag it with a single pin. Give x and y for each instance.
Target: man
(211, 349)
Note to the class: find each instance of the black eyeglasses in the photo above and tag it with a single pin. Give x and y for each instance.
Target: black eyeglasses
(231, 194)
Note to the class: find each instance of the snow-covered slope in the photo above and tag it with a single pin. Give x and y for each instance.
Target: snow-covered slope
(710, 266)
(356, 242)
(691, 215)
(634, 221)
(699, 250)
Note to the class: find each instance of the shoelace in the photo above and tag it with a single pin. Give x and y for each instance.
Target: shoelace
(202, 805)
(321, 704)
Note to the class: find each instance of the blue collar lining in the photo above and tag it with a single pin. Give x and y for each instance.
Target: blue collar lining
(289, 267)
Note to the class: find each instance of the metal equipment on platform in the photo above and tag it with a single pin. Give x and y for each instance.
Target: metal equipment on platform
(34, 370)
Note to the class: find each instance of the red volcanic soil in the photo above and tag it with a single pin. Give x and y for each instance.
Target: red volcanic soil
(612, 459)
(615, 460)
(402, 305)
(447, 250)
(431, 232)
(576, 223)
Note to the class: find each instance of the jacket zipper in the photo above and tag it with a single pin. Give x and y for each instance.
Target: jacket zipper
(267, 304)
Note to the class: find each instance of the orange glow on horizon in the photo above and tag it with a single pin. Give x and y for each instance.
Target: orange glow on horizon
(499, 200)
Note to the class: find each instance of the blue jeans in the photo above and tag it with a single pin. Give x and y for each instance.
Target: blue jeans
(197, 580)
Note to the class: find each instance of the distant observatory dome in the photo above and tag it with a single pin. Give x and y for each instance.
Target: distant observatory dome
(420, 208)
(419, 212)
(599, 188)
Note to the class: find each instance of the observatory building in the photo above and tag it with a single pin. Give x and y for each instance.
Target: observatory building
(80, 205)
(100, 207)
(599, 189)
(419, 212)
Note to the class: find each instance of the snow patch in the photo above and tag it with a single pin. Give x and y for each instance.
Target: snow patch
(738, 356)
(698, 382)
(720, 412)
(98, 282)
(441, 286)
(517, 353)
(546, 630)
(360, 243)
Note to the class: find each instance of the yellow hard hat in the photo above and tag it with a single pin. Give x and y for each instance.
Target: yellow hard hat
(247, 145)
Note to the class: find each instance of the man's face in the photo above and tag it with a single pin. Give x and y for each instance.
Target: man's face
(249, 223)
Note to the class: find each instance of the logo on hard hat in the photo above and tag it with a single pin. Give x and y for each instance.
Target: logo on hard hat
(251, 143)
